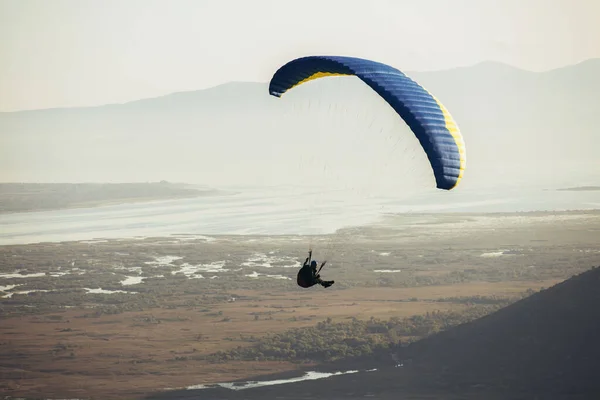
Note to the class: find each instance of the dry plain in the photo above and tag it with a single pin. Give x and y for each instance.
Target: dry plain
(122, 318)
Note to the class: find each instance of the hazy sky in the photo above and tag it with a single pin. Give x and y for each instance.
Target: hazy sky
(80, 52)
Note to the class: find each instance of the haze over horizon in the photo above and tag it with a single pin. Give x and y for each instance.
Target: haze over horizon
(334, 131)
(86, 53)
(492, 63)
(174, 96)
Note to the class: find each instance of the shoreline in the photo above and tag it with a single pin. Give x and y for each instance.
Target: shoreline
(409, 227)
(25, 198)
(103, 203)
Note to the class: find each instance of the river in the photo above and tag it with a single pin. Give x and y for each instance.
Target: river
(272, 211)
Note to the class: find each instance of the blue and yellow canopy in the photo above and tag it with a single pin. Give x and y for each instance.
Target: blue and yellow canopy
(430, 121)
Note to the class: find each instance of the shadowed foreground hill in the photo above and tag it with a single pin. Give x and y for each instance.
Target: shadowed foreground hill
(543, 347)
(547, 341)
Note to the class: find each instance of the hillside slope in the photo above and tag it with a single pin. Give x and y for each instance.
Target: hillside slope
(543, 347)
(546, 341)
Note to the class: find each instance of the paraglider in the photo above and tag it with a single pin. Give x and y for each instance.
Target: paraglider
(426, 116)
(309, 275)
(428, 119)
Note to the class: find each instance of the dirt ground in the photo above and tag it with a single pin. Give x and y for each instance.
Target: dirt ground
(57, 341)
(65, 355)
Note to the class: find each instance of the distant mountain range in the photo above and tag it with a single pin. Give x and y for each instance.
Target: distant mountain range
(519, 126)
